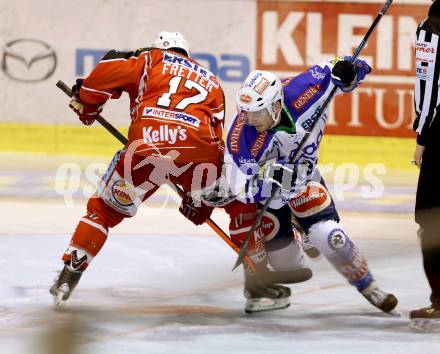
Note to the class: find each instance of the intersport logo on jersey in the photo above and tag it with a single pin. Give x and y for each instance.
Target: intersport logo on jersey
(171, 115)
(295, 35)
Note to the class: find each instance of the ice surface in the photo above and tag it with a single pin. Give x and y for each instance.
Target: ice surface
(176, 294)
(161, 285)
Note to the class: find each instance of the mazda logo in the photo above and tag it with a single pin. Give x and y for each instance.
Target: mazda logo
(28, 60)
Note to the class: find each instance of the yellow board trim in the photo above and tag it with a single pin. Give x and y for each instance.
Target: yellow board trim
(58, 139)
(395, 153)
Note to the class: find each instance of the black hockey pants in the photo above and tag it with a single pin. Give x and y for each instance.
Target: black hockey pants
(427, 215)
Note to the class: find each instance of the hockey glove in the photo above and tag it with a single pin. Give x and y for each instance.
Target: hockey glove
(218, 195)
(87, 112)
(197, 213)
(348, 75)
(288, 177)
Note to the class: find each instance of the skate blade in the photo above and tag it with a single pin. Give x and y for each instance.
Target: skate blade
(266, 304)
(424, 325)
(394, 313)
(316, 259)
(313, 254)
(58, 302)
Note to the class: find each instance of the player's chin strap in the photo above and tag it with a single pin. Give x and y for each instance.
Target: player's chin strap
(316, 117)
(284, 277)
(277, 118)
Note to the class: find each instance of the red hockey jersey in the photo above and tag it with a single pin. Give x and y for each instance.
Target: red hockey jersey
(175, 103)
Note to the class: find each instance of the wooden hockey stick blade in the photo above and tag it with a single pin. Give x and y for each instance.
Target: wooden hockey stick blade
(117, 134)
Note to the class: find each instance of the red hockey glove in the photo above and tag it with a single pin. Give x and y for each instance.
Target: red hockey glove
(198, 214)
(87, 112)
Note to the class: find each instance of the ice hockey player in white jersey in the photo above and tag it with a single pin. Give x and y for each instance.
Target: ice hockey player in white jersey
(272, 118)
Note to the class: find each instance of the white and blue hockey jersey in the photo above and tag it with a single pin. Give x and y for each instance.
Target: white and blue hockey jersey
(247, 150)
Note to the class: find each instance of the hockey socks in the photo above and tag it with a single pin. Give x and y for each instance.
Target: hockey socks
(87, 240)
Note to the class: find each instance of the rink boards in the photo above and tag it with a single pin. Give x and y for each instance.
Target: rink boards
(394, 153)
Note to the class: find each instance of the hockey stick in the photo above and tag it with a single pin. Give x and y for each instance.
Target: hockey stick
(117, 134)
(316, 117)
(269, 277)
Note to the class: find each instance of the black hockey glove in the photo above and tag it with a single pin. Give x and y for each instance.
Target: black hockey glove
(343, 73)
(348, 75)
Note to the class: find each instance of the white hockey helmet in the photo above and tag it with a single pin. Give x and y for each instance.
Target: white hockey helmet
(168, 40)
(261, 90)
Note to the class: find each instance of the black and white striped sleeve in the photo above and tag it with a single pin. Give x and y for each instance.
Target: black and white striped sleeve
(426, 92)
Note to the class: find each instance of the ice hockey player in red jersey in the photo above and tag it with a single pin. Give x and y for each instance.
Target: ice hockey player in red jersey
(177, 112)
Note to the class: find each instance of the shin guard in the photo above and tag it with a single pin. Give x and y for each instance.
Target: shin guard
(330, 239)
(87, 240)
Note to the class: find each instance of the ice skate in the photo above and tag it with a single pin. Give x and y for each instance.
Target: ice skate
(63, 286)
(309, 249)
(260, 297)
(425, 320)
(380, 299)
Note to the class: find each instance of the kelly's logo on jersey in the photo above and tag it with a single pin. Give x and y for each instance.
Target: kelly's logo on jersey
(170, 115)
(164, 134)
